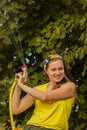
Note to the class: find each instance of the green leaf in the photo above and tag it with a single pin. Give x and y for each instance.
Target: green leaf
(84, 69)
(62, 36)
(80, 127)
(13, 25)
(10, 65)
(38, 50)
(82, 88)
(81, 99)
(82, 36)
(23, 15)
(48, 34)
(20, 37)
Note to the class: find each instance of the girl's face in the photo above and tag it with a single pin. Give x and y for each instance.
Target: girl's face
(55, 70)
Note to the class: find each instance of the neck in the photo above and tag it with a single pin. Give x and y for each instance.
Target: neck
(54, 85)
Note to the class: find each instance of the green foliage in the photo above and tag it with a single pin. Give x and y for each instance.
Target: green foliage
(43, 28)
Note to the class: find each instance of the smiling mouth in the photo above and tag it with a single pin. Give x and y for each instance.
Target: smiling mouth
(57, 77)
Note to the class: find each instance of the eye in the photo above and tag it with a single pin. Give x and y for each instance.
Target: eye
(53, 69)
(61, 68)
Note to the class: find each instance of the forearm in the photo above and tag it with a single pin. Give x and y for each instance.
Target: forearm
(33, 92)
(16, 99)
(67, 91)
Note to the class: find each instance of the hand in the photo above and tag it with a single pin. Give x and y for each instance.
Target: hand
(25, 76)
(20, 77)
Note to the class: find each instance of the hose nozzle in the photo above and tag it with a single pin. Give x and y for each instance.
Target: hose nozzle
(24, 69)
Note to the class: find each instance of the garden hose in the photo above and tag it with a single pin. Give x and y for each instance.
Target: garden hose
(24, 69)
(10, 104)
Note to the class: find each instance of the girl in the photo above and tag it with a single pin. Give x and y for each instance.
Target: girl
(53, 100)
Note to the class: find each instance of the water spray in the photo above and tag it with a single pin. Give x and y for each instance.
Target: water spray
(24, 70)
(14, 33)
(18, 46)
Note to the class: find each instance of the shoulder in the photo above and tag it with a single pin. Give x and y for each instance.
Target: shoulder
(70, 87)
(69, 84)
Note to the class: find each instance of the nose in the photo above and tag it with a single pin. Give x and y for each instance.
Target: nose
(57, 72)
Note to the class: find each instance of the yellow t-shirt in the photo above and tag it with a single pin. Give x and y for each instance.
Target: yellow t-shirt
(51, 114)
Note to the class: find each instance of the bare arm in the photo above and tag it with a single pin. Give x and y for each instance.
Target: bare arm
(64, 92)
(20, 105)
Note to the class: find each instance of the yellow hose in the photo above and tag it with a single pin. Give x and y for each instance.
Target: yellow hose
(24, 69)
(10, 104)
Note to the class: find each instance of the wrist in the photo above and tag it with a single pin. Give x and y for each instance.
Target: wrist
(19, 84)
(17, 88)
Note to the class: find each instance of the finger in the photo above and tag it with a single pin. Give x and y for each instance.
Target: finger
(16, 76)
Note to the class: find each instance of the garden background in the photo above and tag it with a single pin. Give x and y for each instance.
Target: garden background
(43, 27)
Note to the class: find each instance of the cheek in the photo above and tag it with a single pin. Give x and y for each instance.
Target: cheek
(63, 73)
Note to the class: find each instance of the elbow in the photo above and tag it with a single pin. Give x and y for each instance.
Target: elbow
(15, 112)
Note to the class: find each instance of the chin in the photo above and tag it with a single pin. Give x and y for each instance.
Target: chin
(58, 81)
